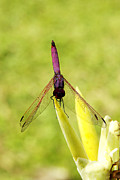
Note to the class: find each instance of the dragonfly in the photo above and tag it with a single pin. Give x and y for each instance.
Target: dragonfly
(63, 91)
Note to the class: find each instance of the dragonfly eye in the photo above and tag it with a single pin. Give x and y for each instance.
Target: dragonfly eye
(59, 93)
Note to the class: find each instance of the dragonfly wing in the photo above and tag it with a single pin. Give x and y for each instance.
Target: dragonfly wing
(38, 106)
(71, 95)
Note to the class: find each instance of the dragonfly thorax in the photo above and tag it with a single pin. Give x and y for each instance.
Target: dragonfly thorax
(58, 86)
(59, 93)
(58, 81)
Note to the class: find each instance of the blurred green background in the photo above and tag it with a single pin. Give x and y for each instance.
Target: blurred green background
(87, 36)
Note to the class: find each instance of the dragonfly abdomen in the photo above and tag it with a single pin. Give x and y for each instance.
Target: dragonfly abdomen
(55, 59)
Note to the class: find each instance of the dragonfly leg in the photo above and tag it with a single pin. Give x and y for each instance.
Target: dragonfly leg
(60, 100)
(56, 100)
(51, 97)
(64, 108)
(53, 101)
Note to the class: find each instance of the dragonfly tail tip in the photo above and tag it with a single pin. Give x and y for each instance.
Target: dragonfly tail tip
(53, 43)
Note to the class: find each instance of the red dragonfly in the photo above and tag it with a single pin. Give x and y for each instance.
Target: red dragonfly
(61, 89)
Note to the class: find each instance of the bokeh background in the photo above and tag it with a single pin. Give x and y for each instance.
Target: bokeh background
(87, 35)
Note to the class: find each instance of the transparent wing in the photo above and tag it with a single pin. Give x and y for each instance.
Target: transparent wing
(71, 94)
(38, 106)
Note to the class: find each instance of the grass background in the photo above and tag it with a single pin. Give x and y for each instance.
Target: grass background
(87, 35)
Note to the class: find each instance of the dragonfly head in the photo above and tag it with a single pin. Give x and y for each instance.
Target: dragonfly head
(59, 93)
